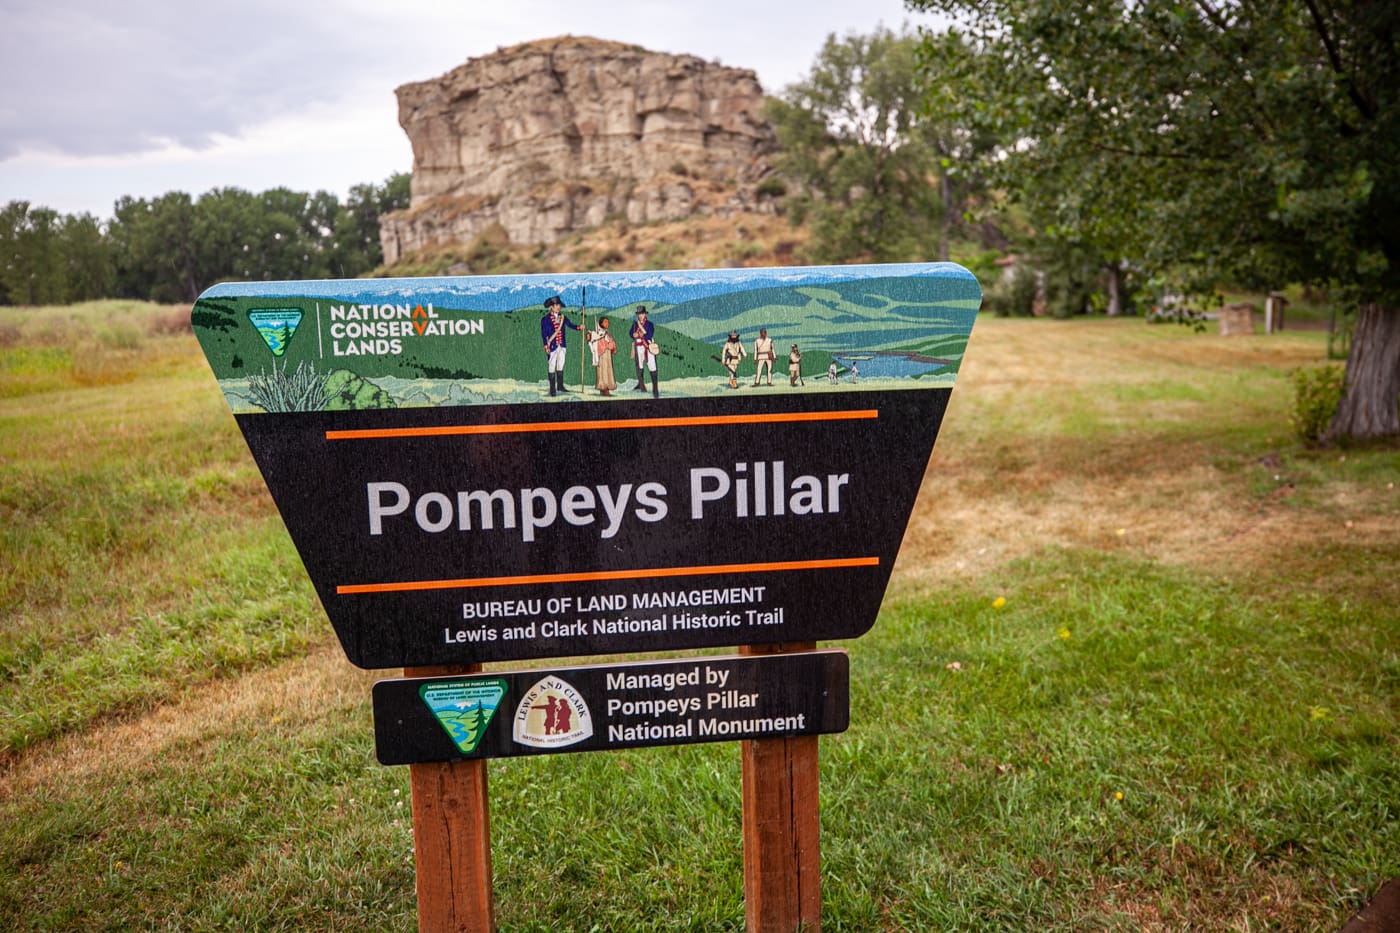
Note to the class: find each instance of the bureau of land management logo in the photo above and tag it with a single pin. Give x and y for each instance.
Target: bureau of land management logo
(464, 708)
(552, 714)
(276, 327)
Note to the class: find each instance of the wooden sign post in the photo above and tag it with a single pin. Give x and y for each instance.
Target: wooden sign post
(782, 828)
(451, 836)
(457, 504)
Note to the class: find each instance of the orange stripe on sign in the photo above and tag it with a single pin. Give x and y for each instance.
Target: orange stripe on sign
(785, 417)
(641, 573)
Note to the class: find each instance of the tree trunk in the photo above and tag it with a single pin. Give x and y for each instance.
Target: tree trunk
(1368, 407)
(1115, 289)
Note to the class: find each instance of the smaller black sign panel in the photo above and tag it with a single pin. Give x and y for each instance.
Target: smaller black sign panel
(600, 707)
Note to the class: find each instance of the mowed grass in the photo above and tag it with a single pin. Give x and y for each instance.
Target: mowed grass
(1139, 669)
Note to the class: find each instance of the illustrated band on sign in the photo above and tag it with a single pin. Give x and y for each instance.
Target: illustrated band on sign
(644, 350)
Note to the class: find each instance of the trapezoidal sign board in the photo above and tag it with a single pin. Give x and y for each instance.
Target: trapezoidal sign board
(496, 468)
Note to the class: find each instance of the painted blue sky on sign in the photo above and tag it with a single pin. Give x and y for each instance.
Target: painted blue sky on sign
(500, 293)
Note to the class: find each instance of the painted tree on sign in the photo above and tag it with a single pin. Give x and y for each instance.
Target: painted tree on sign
(1254, 143)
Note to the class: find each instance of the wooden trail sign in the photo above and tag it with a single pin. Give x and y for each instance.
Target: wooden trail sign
(739, 472)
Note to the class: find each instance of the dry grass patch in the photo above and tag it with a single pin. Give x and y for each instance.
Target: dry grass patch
(287, 697)
(1046, 444)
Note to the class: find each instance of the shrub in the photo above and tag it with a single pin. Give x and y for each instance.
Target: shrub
(664, 256)
(1013, 297)
(1316, 393)
(771, 187)
(170, 321)
(280, 391)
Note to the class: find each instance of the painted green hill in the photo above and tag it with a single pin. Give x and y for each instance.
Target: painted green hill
(871, 314)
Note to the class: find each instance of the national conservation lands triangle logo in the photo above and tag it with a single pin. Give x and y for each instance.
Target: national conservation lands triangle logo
(276, 327)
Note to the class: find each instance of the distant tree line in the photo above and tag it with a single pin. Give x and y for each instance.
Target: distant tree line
(171, 248)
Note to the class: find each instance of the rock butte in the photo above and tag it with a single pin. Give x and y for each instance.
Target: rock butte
(556, 135)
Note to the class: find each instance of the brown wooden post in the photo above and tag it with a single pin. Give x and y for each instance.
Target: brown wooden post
(782, 828)
(452, 838)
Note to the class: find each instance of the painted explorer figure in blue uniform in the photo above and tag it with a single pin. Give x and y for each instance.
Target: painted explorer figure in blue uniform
(644, 350)
(552, 333)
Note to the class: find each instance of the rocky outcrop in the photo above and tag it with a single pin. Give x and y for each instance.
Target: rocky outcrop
(557, 135)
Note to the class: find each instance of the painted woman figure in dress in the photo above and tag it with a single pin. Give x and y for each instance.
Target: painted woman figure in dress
(604, 347)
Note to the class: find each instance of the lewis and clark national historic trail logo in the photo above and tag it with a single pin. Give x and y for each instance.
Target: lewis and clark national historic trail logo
(552, 714)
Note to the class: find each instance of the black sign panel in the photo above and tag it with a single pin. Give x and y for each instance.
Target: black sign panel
(708, 699)
(623, 537)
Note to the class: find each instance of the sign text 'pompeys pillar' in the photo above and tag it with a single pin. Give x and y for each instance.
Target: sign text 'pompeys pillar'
(731, 460)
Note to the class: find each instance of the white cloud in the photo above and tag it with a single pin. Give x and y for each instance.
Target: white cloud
(99, 100)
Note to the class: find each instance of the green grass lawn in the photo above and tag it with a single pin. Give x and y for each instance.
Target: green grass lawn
(1139, 669)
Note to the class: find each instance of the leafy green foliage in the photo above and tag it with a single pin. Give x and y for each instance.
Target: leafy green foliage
(1230, 140)
(172, 247)
(1252, 144)
(1316, 392)
(355, 248)
(1013, 296)
(46, 258)
(854, 143)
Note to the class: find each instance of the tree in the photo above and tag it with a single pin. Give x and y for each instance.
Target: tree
(1255, 143)
(48, 258)
(227, 224)
(287, 239)
(852, 139)
(34, 272)
(173, 247)
(355, 244)
(155, 248)
(87, 255)
(11, 217)
(958, 144)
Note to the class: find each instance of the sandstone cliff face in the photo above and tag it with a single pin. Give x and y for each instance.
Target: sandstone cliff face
(557, 135)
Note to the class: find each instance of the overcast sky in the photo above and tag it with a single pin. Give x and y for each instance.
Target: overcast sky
(101, 99)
